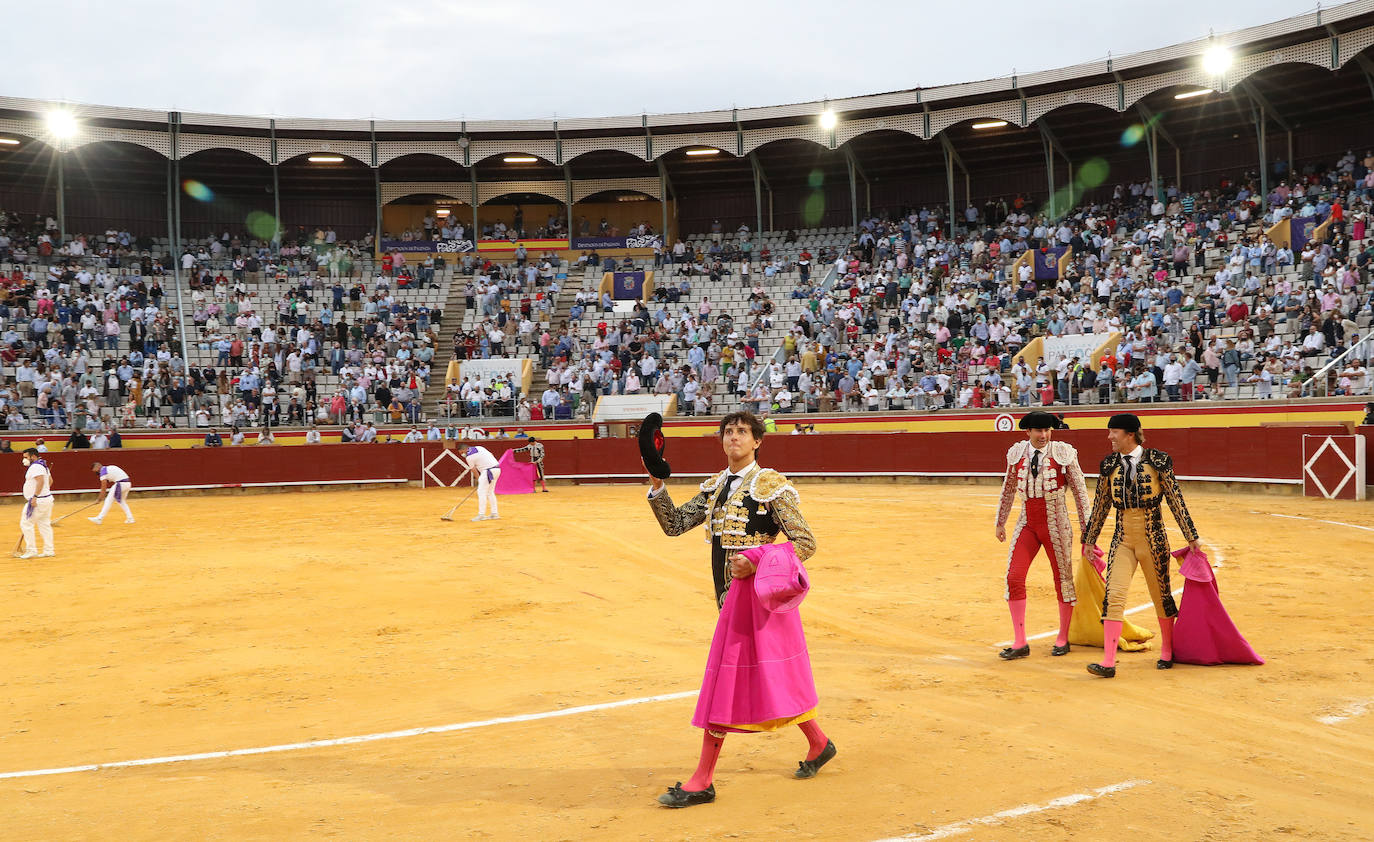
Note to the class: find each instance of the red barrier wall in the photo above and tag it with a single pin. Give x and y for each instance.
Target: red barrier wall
(226, 466)
(1254, 454)
(1248, 453)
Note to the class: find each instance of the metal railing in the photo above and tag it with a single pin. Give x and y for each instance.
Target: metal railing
(1321, 374)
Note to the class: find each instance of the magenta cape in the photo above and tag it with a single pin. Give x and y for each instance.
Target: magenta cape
(758, 671)
(516, 477)
(1203, 632)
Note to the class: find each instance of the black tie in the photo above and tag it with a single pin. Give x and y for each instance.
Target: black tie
(1035, 464)
(729, 486)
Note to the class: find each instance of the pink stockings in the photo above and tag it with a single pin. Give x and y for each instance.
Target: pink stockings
(1166, 638)
(712, 741)
(1111, 633)
(1018, 622)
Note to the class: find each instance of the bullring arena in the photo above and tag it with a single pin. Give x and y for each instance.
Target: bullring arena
(301, 665)
(293, 333)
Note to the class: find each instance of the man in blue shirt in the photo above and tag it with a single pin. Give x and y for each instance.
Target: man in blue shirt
(212, 439)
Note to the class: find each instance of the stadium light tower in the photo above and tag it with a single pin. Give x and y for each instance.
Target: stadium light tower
(62, 125)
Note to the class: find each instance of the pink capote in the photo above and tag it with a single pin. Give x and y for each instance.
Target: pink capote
(516, 477)
(1203, 632)
(759, 669)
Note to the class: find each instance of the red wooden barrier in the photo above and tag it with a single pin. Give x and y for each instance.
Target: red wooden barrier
(1255, 454)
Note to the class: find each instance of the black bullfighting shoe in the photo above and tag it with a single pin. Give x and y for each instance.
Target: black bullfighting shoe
(1010, 654)
(676, 796)
(1162, 664)
(1104, 672)
(809, 768)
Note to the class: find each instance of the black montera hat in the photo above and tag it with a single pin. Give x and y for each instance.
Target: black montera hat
(1039, 420)
(1124, 421)
(651, 446)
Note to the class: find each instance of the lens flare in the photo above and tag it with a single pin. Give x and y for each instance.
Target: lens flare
(197, 191)
(1092, 173)
(813, 209)
(1132, 135)
(261, 225)
(815, 179)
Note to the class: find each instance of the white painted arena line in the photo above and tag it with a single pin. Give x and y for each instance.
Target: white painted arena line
(1316, 520)
(1350, 711)
(341, 741)
(956, 828)
(1217, 559)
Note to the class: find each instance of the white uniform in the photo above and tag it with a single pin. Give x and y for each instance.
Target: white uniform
(120, 486)
(38, 510)
(480, 460)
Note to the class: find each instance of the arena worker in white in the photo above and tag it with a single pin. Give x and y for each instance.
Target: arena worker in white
(115, 481)
(37, 511)
(481, 461)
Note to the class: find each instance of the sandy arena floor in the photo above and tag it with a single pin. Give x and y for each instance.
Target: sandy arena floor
(222, 623)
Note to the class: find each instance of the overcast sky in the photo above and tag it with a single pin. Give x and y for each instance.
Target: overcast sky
(457, 59)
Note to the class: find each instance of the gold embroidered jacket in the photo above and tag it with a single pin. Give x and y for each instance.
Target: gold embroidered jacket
(1156, 484)
(761, 504)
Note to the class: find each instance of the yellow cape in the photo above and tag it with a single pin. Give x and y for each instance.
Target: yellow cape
(1085, 629)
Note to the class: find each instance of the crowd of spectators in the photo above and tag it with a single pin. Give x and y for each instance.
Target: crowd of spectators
(1207, 307)
(94, 342)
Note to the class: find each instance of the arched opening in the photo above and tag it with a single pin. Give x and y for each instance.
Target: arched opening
(614, 214)
(28, 179)
(709, 188)
(422, 166)
(225, 191)
(523, 215)
(113, 184)
(336, 195)
(422, 215)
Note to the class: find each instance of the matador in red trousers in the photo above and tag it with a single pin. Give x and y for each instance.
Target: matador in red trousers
(1044, 472)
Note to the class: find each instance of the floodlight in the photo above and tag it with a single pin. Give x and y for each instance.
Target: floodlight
(61, 123)
(828, 119)
(1217, 59)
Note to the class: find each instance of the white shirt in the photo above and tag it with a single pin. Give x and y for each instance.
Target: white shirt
(1133, 459)
(31, 477)
(113, 474)
(480, 459)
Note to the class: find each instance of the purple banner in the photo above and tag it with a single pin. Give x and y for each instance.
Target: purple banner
(629, 286)
(642, 241)
(1047, 263)
(428, 246)
(1300, 230)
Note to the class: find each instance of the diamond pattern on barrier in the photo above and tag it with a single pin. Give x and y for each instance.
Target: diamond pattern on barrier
(447, 469)
(1329, 468)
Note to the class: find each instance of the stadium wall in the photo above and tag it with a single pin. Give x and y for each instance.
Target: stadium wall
(1259, 455)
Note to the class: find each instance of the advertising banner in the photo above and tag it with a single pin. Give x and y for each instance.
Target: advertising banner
(427, 246)
(643, 241)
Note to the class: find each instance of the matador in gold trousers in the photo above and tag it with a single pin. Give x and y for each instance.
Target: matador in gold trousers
(1136, 484)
